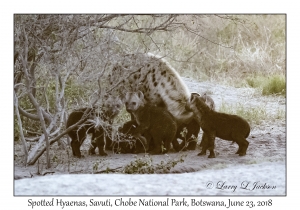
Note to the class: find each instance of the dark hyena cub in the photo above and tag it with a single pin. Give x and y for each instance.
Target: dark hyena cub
(209, 101)
(128, 143)
(103, 132)
(193, 128)
(79, 133)
(215, 124)
(156, 121)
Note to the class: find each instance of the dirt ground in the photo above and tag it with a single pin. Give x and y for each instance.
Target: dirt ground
(267, 143)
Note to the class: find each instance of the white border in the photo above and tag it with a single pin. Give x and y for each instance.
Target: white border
(154, 6)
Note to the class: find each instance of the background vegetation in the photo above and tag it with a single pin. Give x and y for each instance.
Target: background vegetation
(61, 62)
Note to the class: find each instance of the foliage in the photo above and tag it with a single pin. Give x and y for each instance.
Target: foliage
(98, 165)
(254, 44)
(144, 165)
(254, 115)
(274, 84)
(62, 62)
(183, 133)
(122, 117)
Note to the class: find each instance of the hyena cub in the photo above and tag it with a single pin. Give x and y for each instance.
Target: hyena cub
(215, 124)
(156, 121)
(131, 144)
(79, 133)
(193, 128)
(109, 110)
(209, 101)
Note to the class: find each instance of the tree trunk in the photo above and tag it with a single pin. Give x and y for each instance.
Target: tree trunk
(16, 103)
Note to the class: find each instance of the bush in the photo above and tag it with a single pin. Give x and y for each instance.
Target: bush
(144, 165)
(275, 85)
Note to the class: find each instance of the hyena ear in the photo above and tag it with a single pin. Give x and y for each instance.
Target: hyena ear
(193, 95)
(127, 96)
(119, 101)
(140, 95)
(193, 98)
(123, 97)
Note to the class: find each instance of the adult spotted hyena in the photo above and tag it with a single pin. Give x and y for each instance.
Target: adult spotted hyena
(156, 79)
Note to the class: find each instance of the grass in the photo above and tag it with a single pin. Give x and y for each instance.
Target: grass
(274, 84)
(122, 117)
(225, 50)
(254, 115)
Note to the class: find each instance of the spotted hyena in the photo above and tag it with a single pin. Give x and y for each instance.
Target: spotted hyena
(214, 124)
(158, 122)
(103, 130)
(156, 79)
(188, 133)
(129, 144)
(106, 113)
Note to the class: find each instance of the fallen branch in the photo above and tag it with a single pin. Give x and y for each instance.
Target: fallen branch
(107, 170)
(48, 172)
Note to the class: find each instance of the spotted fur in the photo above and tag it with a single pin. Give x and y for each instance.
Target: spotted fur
(156, 79)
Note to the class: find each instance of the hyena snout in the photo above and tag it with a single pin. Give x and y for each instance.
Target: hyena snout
(115, 111)
(131, 106)
(188, 107)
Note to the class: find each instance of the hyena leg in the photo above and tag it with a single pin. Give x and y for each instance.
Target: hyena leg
(176, 145)
(204, 143)
(93, 145)
(239, 149)
(192, 144)
(100, 140)
(211, 145)
(143, 141)
(243, 146)
(76, 148)
(76, 142)
(108, 141)
(138, 134)
(157, 145)
(157, 150)
(167, 144)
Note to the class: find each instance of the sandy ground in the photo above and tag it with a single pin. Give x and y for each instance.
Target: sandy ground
(261, 172)
(243, 179)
